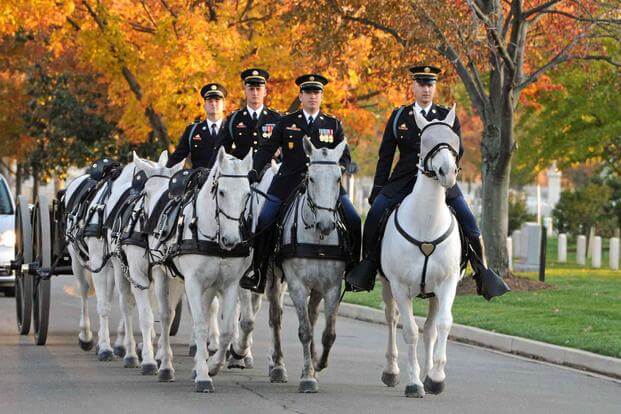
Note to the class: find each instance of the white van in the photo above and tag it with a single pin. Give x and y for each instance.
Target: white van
(7, 238)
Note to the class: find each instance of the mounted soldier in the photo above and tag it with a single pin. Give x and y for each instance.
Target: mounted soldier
(389, 189)
(324, 131)
(245, 128)
(200, 138)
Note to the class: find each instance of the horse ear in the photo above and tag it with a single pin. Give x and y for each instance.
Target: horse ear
(308, 146)
(421, 122)
(163, 158)
(221, 154)
(141, 165)
(450, 118)
(135, 156)
(339, 149)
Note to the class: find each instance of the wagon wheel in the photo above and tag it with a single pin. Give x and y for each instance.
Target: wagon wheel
(174, 328)
(42, 254)
(23, 255)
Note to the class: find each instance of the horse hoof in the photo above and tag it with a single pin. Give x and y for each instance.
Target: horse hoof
(192, 350)
(249, 362)
(119, 350)
(389, 379)
(86, 345)
(278, 375)
(105, 355)
(149, 369)
(236, 363)
(166, 375)
(131, 362)
(308, 386)
(414, 391)
(193, 374)
(204, 386)
(433, 387)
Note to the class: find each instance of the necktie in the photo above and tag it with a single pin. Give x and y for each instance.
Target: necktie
(213, 130)
(254, 116)
(423, 113)
(310, 121)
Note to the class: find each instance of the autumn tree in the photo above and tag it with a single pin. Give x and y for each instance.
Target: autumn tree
(498, 49)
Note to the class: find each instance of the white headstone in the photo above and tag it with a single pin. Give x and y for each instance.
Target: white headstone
(614, 253)
(589, 251)
(531, 242)
(581, 250)
(554, 186)
(562, 248)
(596, 258)
(515, 236)
(547, 221)
(510, 252)
(524, 241)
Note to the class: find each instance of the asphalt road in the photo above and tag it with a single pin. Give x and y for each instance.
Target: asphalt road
(60, 378)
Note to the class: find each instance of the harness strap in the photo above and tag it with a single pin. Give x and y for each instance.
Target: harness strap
(395, 121)
(426, 247)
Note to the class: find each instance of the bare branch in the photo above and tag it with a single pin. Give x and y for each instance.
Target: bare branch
(538, 9)
(491, 30)
(478, 96)
(170, 10)
(562, 56)
(140, 28)
(368, 22)
(604, 58)
(148, 12)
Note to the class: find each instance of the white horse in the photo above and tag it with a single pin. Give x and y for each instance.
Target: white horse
(220, 207)
(103, 279)
(137, 258)
(310, 280)
(421, 254)
(250, 302)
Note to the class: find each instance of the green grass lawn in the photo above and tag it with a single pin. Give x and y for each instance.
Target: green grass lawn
(581, 310)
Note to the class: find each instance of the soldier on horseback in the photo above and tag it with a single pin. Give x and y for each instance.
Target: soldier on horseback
(288, 135)
(390, 189)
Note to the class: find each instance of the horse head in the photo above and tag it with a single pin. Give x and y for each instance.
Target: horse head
(157, 175)
(439, 148)
(323, 184)
(230, 190)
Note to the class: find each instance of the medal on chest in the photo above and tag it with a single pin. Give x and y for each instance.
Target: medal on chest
(267, 130)
(326, 135)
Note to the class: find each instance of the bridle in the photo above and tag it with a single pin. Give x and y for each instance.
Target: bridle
(242, 220)
(424, 166)
(310, 202)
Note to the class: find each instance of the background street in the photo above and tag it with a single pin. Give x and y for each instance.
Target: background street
(59, 377)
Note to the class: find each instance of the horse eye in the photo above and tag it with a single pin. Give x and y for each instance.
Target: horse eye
(221, 193)
(311, 179)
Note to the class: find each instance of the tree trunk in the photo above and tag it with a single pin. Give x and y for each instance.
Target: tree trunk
(18, 180)
(35, 185)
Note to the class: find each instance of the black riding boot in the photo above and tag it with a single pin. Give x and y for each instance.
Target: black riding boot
(362, 276)
(489, 283)
(255, 277)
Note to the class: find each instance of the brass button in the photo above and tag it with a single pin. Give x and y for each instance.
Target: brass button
(254, 133)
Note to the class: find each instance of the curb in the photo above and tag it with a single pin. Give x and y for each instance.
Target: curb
(541, 351)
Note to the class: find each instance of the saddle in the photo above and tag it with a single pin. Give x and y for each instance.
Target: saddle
(342, 251)
(185, 181)
(102, 168)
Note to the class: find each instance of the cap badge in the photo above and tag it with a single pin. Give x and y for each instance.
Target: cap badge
(214, 87)
(311, 78)
(255, 73)
(427, 70)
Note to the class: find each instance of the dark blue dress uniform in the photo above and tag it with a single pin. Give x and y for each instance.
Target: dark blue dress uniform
(199, 141)
(241, 133)
(325, 132)
(244, 129)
